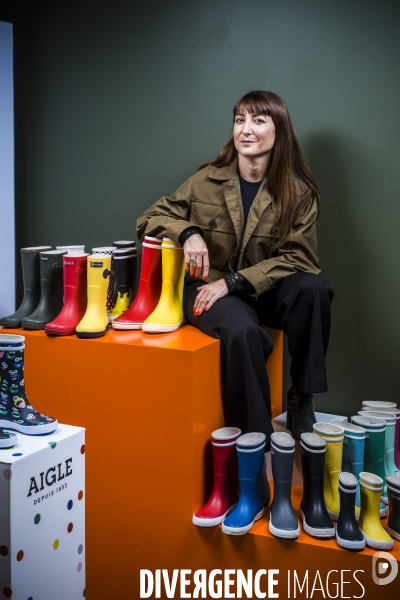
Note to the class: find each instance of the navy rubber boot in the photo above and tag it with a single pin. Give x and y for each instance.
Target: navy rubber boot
(282, 522)
(348, 533)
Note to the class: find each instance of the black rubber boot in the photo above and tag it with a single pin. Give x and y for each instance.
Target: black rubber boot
(123, 245)
(300, 416)
(348, 533)
(316, 520)
(125, 267)
(51, 290)
(282, 522)
(393, 487)
(31, 279)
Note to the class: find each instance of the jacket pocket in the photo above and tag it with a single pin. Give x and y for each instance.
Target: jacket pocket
(213, 217)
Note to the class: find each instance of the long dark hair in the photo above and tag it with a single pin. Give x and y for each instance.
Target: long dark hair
(287, 166)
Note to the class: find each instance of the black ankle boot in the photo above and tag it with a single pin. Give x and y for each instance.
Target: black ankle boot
(300, 416)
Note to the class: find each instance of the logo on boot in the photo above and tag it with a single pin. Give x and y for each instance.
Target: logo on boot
(50, 477)
(384, 568)
(96, 264)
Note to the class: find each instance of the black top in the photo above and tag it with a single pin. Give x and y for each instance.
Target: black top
(248, 190)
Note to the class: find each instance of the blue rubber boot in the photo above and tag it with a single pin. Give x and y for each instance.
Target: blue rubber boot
(353, 454)
(250, 448)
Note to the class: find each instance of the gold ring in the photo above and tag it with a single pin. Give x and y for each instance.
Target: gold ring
(208, 299)
(192, 261)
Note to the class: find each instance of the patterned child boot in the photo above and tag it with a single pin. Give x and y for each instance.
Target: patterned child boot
(125, 265)
(369, 522)
(282, 521)
(224, 496)
(374, 453)
(316, 519)
(390, 419)
(333, 436)
(111, 279)
(123, 245)
(95, 321)
(51, 290)
(15, 411)
(149, 289)
(30, 260)
(75, 295)
(168, 315)
(353, 454)
(393, 487)
(348, 534)
(250, 448)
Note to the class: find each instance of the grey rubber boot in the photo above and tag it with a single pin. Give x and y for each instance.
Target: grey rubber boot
(282, 522)
(348, 533)
(51, 290)
(31, 279)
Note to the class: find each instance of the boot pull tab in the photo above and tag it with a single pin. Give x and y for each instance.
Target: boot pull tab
(108, 272)
(57, 267)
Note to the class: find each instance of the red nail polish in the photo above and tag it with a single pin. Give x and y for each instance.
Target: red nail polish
(205, 276)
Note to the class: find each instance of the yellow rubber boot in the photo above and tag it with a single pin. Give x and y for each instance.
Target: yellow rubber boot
(95, 321)
(369, 522)
(168, 314)
(333, 436)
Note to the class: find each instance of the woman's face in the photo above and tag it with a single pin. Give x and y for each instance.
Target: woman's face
(253, 135)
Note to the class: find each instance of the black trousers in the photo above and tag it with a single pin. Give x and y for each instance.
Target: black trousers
(300, 306)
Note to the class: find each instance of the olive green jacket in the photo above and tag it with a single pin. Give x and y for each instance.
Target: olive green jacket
(211, 200)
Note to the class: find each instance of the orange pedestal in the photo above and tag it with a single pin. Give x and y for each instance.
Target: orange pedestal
(149, 404)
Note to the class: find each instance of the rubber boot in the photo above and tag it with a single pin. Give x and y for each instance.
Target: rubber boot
(95, 321)
(353, 454)
(125, 265)
(168, 315)
(390, 419)
(378, 405)
(348, 534)
(30, 260)
(224, 495)
(369, 522)
(313, 512)
(111, 280)
(250, 448)
(51, 290)
(123, 245)
(15, 411)
(282, 520)
(333, 436)
(397, 440)
(149, 289)
(300, 415)
(393, 487)
(374, 453)
(75, 295)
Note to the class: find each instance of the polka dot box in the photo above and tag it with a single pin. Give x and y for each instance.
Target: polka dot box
(42, 517)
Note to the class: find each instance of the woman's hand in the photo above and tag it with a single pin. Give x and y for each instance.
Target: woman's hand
(196, 250)
(208, 295)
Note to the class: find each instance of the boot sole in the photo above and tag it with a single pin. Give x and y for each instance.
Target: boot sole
(350, 545)
(162, 328)
(60, 333)
(314, 532)
(30, 429)
(377, 544)
(287, 534)
(244, 529)
(8, 443)
(211, 522)
(91, 334)
(393, 533)
(126, 325)
(33, 326)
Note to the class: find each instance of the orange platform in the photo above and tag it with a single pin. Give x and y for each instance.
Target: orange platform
(149, 403)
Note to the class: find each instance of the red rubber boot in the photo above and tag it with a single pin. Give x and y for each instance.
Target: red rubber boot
(75, 295)
(224, 496)
(149, 289)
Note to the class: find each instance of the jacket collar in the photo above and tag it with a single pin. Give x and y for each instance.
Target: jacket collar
(224, 173)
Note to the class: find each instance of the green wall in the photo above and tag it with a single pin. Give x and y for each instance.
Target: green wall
(117, 103)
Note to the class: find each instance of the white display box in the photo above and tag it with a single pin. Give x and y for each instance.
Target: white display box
(42, 517)
(279, 424)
